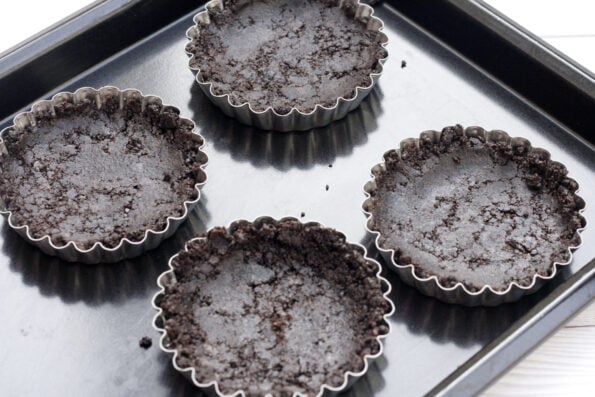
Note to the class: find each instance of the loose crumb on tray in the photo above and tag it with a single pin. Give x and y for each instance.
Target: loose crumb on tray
(145, 342)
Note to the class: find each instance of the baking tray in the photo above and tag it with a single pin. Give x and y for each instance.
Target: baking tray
(71, 329)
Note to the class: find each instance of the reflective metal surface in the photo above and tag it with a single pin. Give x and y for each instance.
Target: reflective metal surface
(74, 330)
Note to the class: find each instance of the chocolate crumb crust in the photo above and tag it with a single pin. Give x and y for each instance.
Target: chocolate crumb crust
(286, 54)
(275, 308)
(475, 208)
(87, 175)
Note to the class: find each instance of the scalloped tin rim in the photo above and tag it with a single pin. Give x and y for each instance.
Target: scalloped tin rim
(348, 378)
(474, 297)
(99, 247)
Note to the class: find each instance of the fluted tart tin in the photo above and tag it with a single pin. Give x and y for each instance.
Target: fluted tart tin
(99, 175)
(272, 308)
(286, 65)
(473, 217)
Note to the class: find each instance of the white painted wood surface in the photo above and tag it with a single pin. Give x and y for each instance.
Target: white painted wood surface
(21, 19)
(584, 319)
(563, 365)
(565, 24)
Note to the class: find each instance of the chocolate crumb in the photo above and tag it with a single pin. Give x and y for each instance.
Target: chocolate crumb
(145, 342)
(403, 64)
(303, 214)
(326, 187)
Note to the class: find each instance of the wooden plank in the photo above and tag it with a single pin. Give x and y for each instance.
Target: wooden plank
(564, 365)
(585, 318)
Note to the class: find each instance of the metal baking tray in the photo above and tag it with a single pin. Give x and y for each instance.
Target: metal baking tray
(72, 329)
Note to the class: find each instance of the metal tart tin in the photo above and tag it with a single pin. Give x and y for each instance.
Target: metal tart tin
(459, 293)
(118, 101)
(211, 387)
(295, 120)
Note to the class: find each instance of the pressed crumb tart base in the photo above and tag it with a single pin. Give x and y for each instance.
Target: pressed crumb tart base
(286, 65)
(272, 308)
(286, 54)
(99, 166)
(474, 208)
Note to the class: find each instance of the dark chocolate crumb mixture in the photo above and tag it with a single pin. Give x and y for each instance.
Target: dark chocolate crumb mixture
(145, 342)
(286, 53)
(476, 212)
(91, 175)
(277, 308)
